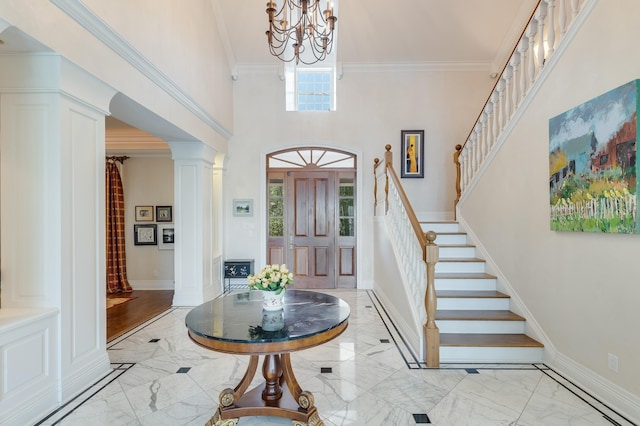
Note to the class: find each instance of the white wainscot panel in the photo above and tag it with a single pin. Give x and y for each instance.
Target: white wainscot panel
(28, 362)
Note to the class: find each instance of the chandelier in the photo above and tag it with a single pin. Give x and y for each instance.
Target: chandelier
(301, 30)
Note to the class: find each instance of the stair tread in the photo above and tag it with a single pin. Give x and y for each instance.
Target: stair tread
(477, 315)
(471, 294)
(461, 259)
(489, 340)
(456, 246)
(463, 275)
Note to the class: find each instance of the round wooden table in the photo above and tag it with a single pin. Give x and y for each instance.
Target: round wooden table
(236, 324)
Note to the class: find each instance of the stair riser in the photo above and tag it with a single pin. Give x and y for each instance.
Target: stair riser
(457, 252)
(460, 267)
(465, 284)
(451, 239)
(454, 354)
(453, 303)
(482, 327)
(440, 227)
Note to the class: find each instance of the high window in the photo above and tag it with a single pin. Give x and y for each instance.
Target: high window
(310, 88)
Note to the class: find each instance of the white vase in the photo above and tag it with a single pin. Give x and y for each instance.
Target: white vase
(272, 301)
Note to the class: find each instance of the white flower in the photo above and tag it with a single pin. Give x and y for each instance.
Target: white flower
(271, 278)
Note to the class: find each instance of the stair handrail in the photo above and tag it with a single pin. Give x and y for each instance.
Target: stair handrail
(430, 253)
(541, 37)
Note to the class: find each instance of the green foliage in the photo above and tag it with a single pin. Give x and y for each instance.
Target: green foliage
(616, 225)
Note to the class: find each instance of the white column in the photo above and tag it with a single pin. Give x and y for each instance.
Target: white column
(53, 221)
(193, 199)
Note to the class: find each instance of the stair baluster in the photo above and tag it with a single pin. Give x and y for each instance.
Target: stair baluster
(417, 255)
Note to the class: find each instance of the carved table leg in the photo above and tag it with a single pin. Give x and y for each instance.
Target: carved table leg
(272, 372)
(305, 399)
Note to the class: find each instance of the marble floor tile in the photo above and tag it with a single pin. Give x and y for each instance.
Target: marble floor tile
(365, 376)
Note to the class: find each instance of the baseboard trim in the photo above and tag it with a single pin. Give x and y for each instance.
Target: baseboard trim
(97, 366)
(613, 395)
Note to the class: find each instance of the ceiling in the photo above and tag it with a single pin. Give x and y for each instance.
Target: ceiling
(370, 32)
(393, 32)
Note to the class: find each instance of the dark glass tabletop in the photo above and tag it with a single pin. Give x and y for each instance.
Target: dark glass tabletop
(239, 320)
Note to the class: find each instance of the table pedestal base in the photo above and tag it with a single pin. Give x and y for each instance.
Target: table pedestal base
(279, 396)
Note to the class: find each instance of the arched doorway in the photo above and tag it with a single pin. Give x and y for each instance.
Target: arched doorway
(311, 215)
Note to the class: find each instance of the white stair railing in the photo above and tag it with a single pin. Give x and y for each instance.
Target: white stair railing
(541, 37)
(416, 253)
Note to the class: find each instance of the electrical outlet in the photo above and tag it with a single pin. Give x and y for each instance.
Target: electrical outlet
(613, 363)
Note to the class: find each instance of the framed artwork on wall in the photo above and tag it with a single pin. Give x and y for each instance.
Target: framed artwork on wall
(166, 236)
(243, 207)
(164, 214)
(144, 213)
(145, 235)
(593, 172)
(412, 154)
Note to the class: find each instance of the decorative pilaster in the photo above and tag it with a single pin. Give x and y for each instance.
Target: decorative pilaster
(193, 219)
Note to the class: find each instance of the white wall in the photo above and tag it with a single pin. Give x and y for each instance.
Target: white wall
(582, 288)
(147, 181)
(372, 108)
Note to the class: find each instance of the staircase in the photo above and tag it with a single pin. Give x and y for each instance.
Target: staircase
(474, 319)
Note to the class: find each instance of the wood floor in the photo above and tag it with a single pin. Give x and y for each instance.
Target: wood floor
(127, 316)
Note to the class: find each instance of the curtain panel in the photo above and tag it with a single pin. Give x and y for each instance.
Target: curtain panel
(116, 257)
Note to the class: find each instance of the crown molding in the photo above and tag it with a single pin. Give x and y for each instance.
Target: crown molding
(80, 13)
(246, 69)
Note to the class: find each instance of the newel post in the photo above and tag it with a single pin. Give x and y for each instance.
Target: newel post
(376, 162)
(456, 161)
(431, 331)
(388, 162)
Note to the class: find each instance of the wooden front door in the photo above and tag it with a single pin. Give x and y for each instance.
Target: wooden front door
(311, 228)
(311, 216)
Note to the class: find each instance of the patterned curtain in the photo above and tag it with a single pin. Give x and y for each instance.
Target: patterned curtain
(116, 260)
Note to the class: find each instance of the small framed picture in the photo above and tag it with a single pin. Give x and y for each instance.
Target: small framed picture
(412, 154)
(144, 213)
(165, 236)
(164, 214)
(243, 207)
(145, 235)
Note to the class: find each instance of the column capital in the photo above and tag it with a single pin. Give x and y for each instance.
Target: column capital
(192, 150)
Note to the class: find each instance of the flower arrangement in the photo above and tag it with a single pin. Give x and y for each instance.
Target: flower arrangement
(271, 278)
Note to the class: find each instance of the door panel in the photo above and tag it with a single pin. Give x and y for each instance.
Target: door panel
(347, 265)
(300, 262)
(312, 239)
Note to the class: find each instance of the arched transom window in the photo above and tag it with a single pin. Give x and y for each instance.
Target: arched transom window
(311, 158)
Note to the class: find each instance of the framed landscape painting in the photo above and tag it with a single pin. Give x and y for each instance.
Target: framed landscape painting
(592, 164)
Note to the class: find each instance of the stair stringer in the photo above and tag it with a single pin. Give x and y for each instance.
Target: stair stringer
(532, 328)
(395, 296)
